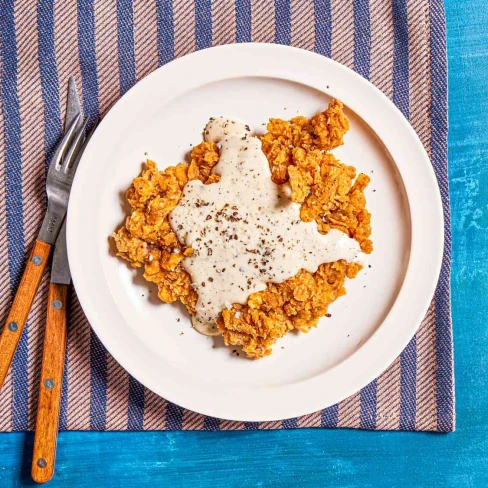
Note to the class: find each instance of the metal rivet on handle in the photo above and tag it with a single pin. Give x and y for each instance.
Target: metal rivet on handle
(13, 326)
(49, 384)
(57, 304)
(41, 462)
(37, 260)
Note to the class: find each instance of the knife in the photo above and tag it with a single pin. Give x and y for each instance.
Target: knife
(54, 349)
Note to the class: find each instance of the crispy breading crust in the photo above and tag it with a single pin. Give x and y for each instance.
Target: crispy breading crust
(328, 192)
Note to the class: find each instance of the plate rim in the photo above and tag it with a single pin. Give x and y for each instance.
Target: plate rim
(433, 215)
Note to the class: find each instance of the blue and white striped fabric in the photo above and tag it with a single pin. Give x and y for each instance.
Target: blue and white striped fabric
(399, 45)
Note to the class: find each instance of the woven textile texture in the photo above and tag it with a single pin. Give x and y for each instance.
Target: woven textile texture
(108, 45)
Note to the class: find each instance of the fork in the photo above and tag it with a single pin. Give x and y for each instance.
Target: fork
(58, 185)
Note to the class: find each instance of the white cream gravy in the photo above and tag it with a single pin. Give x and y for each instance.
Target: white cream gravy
(244, 230)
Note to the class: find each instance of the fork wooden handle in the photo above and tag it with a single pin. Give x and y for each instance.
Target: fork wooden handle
(51, 385)
(22, 304)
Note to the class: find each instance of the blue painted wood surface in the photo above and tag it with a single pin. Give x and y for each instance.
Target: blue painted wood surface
(337, 457)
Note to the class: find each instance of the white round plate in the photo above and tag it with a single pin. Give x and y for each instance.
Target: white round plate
(162, 116)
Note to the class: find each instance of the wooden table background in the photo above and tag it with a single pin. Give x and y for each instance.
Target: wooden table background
(339, 458)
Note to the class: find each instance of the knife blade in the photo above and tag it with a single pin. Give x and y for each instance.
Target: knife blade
(60, 272)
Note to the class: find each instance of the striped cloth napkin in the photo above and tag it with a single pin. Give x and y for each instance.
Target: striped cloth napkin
(108, 45)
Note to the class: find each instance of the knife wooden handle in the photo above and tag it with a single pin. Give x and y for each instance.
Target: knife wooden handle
(51, 385)
(22, 304)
